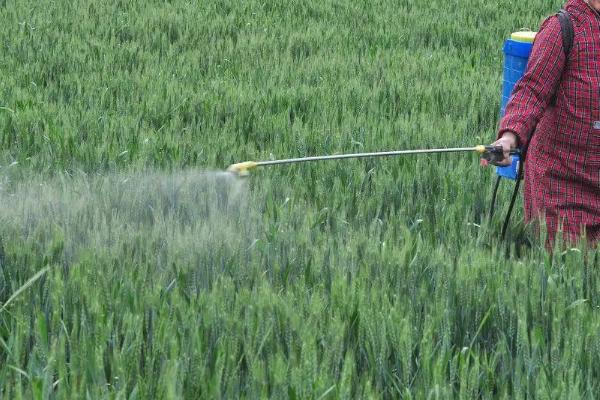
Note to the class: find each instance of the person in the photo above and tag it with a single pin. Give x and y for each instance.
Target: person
(554, 113)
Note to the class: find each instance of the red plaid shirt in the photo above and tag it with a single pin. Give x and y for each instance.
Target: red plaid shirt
(559, 99)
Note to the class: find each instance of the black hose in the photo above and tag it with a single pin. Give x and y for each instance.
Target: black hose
(513, 199)
(494, 193)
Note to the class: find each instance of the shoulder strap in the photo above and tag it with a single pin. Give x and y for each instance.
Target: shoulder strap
(568, 34)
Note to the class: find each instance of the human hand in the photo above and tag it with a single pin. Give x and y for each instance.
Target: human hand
(508, 141)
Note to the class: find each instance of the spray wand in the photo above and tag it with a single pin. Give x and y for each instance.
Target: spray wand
(492, 154)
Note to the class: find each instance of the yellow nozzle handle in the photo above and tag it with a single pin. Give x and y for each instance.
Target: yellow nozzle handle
(495, 149)
(242, 168)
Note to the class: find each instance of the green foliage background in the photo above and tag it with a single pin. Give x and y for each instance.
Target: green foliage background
(373, 278)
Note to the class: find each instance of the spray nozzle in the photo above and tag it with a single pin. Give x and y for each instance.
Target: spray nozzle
(241, 169)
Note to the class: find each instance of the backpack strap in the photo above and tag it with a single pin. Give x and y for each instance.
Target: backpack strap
(568, 33)
(568, 36)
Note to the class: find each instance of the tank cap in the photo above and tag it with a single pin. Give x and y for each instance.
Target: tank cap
(526, 37)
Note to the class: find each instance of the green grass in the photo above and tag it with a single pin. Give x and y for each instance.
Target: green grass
(128, 271)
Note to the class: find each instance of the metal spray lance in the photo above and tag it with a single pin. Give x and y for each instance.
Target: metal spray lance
(492, 154)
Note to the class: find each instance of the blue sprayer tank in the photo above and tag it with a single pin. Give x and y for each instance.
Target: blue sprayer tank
(516, 54)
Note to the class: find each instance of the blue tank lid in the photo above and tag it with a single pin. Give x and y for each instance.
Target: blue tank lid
(518, 49)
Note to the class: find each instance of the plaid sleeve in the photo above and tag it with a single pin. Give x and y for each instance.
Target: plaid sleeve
(537, 87)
